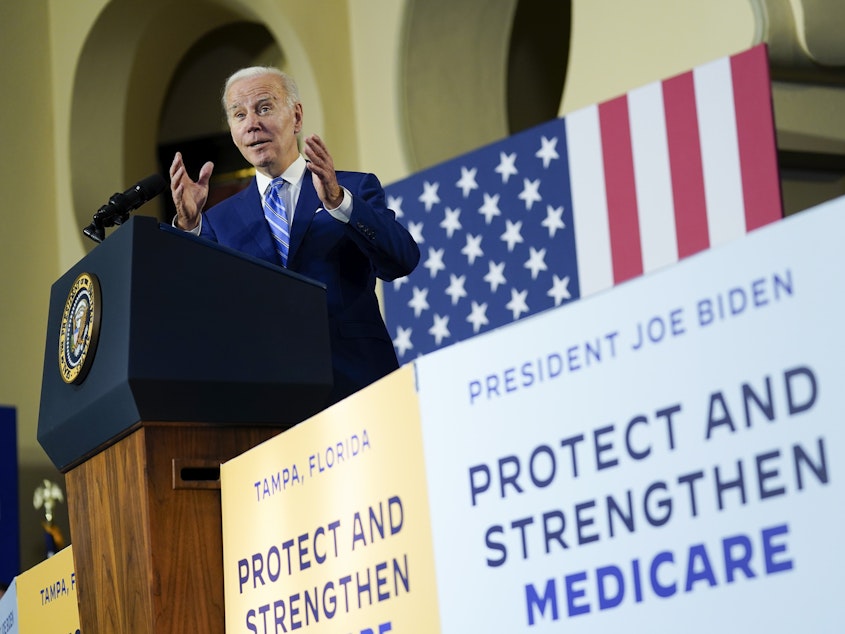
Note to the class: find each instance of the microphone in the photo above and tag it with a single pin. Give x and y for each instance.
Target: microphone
(116, 211)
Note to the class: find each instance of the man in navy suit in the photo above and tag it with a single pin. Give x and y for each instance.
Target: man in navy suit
(341, 231)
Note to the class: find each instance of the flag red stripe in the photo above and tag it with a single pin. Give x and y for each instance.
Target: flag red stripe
(685, 160)
(621, 189)
(755, 135)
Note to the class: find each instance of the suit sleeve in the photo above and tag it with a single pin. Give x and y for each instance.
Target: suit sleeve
(389, 246)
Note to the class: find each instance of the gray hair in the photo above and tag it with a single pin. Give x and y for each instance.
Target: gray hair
(288, 83)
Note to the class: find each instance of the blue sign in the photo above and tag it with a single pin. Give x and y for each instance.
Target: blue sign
(10, 560)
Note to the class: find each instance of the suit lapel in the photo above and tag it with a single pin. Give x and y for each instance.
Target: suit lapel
(254, 226)
(306, 207)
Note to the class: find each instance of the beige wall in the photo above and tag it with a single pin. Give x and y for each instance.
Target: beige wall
(85, 82)
(618, 46)
(376, 49)
(28, 238)
(28, 235)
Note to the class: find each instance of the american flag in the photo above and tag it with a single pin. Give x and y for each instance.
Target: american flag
(578, 204)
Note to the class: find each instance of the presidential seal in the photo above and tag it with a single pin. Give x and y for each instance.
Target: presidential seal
(80, 328)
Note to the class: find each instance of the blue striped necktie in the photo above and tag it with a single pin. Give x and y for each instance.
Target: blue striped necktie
(276, 213)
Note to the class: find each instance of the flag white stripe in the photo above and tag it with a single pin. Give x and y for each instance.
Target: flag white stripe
(589, 201)
(653, 177)
(719, 151)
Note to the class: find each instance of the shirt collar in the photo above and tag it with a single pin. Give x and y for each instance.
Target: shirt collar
(293, 174)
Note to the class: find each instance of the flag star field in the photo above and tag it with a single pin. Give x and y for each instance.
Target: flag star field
(494, 231)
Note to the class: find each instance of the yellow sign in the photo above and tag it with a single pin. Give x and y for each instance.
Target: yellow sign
(326, 527)
(46, 596)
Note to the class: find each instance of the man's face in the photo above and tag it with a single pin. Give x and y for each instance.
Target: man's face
(263, 127)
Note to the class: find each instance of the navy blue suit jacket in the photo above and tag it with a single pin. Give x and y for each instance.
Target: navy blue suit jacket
(347, 258)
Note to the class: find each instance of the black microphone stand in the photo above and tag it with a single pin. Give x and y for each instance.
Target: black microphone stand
(116, 211)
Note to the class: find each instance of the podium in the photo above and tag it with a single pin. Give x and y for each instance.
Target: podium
(165, 356)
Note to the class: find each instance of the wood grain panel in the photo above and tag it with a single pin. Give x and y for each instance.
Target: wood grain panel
(148, 551)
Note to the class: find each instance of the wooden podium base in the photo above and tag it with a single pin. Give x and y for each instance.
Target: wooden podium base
(145, 521)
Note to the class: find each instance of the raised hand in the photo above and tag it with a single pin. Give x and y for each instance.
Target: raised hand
(189, 196)
(322, 171)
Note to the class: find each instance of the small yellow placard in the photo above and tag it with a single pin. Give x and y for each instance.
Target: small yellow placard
(47, 596)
